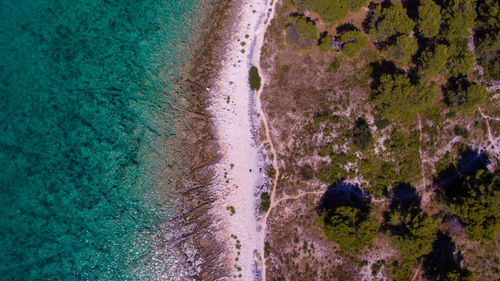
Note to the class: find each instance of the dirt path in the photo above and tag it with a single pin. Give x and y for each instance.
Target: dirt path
(494, 141)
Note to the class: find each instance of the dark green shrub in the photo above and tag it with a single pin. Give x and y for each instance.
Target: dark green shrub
(254, 78)
(382, 123)
(265, 202)
(362, 136)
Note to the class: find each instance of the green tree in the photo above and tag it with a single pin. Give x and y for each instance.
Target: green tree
(459, 18)
(488, 50)
(429, 18)
(478, 204)
(302, 31)
(349, 227)
(403, 50)
(488, 14)
(460, 58)
(464, 96)
(354, 41)
(391, 21)
(433, 62)
(324, 44)
(412, 233)
(306, 29)
(399, 99)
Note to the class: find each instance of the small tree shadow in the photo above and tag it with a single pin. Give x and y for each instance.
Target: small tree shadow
(443, 260)
(411, 8)
(341, 29)
(404, 201)
(380, 68)
(404, 197)
(469, 162)
(343, 194)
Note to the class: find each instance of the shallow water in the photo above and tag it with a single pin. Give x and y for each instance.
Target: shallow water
(85, 115)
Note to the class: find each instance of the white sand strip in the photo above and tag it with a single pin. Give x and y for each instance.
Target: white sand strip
(240, 173)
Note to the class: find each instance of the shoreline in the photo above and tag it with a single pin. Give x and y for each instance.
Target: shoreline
(223, 148)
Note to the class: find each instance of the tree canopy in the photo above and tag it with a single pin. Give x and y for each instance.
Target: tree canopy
(349, 227)
(459, 18)
(433, 62)
(477, 203)
(403, 50)
(302, 31)
(464, 96)
(412, 231)
(460, 58)
(354, 41)
(391, 21)
(399, 99)
(429, 18)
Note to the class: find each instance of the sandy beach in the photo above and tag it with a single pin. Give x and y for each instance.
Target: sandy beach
(240, 174)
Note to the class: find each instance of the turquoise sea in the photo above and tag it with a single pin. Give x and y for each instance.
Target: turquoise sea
(87, 94)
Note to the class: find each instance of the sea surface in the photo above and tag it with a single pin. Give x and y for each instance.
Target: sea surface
(86, 119)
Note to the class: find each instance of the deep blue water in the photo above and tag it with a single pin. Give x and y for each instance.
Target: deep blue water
(86, 89)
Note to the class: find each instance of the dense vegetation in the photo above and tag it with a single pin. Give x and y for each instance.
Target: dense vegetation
(420, 104)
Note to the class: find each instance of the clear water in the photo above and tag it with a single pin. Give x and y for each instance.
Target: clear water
(86, 93)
